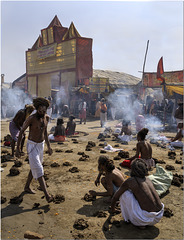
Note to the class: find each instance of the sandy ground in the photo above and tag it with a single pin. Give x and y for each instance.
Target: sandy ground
(56, 221)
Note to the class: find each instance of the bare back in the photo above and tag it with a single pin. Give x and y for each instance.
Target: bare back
(145, 149)
(116, 177)
(145, 193)
(19, 118)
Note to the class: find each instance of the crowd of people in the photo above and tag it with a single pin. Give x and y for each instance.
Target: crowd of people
(139, 201)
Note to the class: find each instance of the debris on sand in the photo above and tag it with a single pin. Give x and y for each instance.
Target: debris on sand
(4, 165)
(176, 182)
(102, 151)
(3, 199)
(101, 145)
(83, 159)
(88, 149)
(69, 151)
(80, 224)
(169, 167)
(78, 236)
(32, 235)
(4, 151)
(168, 212)
(80, 153)
(123, 154)
(55, 164)
(100, 214)
(158, 161)
(178, 162)
(58, 150)
(14, 171)
(16, 200)
(5, 158)
(67, 164)
(117, 157)
(116, 145)
(17, 163)
(58, 198)
(89, 198)
(74, 140)
(171, 153)
(36, 205)
(179, 176)
(74, 169)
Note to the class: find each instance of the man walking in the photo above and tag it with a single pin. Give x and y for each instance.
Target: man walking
(37, 124)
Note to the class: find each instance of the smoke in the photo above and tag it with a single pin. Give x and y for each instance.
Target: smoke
(12, 100)
(61, 97)
(125, 104)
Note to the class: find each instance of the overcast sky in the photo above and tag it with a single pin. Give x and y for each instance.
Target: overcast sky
(120, 31)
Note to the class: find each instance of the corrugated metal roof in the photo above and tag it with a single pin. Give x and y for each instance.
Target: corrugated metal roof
(117, 79)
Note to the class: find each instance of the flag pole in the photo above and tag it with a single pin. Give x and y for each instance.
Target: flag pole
(144, 66)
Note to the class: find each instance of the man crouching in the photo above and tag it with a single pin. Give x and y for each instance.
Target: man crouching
(37, 124)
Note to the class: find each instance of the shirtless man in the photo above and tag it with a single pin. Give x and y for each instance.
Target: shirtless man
(112, 179)
(144, 148)
(37, 124)
(139, 201)
(177, 140)
(16, 124)
(70, 127)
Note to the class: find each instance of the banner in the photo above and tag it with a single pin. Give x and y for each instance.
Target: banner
(160, 70)
(150, 79)
(46, 51)
(99, 85)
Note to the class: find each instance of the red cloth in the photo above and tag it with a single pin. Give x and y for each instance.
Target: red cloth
(7, 143)
(126, 163)
(59, 138)
(160, 70)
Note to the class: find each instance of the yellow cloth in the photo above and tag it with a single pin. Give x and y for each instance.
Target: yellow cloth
(172, 89)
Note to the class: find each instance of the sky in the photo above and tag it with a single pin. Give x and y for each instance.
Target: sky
(120, 31)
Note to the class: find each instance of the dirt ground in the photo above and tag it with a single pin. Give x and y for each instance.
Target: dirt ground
(56, 220)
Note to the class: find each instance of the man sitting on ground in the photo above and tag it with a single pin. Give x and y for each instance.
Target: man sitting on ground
(139, 201)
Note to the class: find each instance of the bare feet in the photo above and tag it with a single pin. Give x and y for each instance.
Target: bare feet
(50, 199)
(29, 190)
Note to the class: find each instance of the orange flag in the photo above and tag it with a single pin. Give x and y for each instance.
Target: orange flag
(160, 70)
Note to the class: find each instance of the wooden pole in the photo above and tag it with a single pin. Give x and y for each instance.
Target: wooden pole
(144, 65)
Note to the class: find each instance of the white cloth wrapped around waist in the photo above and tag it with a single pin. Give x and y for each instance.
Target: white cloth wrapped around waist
(131, 211)
(35, 152)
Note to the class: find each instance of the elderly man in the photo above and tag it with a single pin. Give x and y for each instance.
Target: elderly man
(140, 203)
(37, 124)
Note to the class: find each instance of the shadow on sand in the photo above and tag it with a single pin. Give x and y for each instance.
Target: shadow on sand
(14, 209)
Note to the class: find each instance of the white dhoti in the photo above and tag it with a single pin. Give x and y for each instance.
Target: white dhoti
(103, 118)
(131, 211)
(35, 152)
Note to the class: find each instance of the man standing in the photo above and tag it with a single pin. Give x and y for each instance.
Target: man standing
(82, 111)
(103, 112)
(37, 124)
(16, 124)
(179, 113)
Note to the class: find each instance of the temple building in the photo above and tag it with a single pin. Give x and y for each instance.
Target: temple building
(60, 58)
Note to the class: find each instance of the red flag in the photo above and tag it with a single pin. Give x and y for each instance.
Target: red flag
(160, 70)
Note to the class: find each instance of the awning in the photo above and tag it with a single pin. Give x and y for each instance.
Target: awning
(174, 89)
